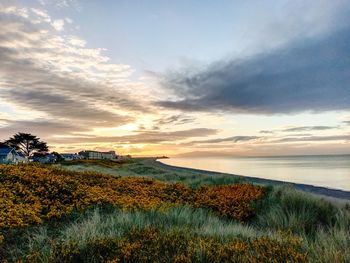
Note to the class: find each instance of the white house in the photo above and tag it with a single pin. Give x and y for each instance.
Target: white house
(111, 155)
(10, 156)
(20, 157)
(70, 156)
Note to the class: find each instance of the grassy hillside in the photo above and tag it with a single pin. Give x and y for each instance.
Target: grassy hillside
(49, 214)
(148, 167)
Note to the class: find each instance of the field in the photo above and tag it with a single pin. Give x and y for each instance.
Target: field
(136, 211)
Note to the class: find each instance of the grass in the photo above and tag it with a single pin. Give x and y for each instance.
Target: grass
(101, 224)
(289, 225)
(294, 210)
(149, 168)
(325, 227)
(327, 245)
(98, 224)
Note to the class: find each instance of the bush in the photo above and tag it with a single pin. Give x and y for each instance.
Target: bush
(232, 201)
(30, 194)
(290, 209)
(152, 245)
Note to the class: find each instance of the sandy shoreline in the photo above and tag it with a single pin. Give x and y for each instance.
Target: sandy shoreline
(337, 195)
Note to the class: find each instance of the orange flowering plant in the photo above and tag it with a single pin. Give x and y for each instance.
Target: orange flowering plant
(30, 194)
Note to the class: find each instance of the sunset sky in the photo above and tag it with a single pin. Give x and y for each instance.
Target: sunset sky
(182, 77)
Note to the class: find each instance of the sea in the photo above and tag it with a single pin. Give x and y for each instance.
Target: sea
(330, 171)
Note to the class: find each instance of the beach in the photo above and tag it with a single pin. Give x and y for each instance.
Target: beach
(332, 194)
(156, 169)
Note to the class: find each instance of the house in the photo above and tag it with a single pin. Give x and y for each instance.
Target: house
(111, 155)
(43, 158)
(70, 156)
(50, 158)
(21, 158)
(9, 155)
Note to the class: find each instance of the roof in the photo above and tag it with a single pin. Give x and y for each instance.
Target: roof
(90, 151)
(5, 150)
(20, 153)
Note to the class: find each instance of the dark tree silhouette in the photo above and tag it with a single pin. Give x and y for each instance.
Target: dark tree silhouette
(27, 143)
(58, 156)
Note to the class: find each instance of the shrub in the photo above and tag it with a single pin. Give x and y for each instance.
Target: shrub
(152, 245)
(30, 194)
(233, 201)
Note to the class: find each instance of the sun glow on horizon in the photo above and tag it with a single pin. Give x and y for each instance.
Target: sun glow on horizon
(165, 84)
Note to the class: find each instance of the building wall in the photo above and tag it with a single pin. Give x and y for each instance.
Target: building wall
(107, 156)
(99, 155)
(3, 159)
(20, 159)
(95, 155)
(9, 158)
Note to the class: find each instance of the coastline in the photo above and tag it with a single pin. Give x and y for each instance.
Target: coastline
(328, 193)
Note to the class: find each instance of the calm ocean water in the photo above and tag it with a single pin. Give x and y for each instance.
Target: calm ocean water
(327, 171)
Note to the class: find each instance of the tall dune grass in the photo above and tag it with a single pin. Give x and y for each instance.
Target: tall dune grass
(302, 213)
(324, 227)
(97, 225)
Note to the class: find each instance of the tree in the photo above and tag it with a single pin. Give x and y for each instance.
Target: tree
(27, 143)
(58, 156)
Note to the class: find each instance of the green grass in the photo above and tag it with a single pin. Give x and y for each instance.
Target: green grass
(289, 209)
(99, 224)
(324, 226)
(148, 167)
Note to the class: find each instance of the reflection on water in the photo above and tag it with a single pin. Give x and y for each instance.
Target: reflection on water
(328, 171)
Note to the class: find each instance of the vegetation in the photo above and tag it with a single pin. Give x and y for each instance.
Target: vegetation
(48, 214)
(147, 167)
(31, 194)
(26, 143)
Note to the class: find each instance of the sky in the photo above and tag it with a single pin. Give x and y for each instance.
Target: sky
(178, 78)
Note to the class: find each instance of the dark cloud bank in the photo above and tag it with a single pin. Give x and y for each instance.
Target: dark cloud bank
(313, 75)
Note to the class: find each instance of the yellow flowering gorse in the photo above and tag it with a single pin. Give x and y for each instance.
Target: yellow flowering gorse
(30, 194)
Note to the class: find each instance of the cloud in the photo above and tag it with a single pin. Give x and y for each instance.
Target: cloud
(175, 120)
(233, 139)
(266, 131)
(58, 24)
(300, 129)
(141, 137)
(59, 77)
(42, 128)
(272, 150)
(309, 128)
(311, 74)
(315, 138)
(69, 20)
(67, 108)
(59, 3)
(76, 41)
